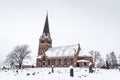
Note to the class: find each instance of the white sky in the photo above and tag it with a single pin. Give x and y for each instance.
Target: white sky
(95, 24)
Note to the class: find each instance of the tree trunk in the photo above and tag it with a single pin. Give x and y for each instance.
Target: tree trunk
(20, 65)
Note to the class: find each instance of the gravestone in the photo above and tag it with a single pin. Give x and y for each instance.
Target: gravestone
(52, 68)
(71, 71)
(91, 68)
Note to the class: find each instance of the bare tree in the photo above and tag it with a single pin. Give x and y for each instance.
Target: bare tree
(96, 56)
(18, 54)
(108, 58)
(100, 63)
(107, 65)
(108, 61)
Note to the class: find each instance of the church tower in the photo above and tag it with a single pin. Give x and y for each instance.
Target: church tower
(45, 41)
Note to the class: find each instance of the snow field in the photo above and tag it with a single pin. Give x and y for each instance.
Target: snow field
(60, 74)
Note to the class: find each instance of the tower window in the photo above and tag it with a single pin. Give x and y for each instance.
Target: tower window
(39, 60)
(42, 41)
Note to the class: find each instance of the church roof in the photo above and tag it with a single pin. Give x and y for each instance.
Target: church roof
(83, 53)
(62, 51)
(46, 26)
(82, 61)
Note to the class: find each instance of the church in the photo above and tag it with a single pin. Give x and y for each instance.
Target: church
(60, 56)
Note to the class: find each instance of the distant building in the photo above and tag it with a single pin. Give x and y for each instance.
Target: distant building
(63, 56)
(25, 64)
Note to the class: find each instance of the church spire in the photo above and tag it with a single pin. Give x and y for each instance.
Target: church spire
(46, 26)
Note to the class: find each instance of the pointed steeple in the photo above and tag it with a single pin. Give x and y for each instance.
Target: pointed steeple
(46, 26)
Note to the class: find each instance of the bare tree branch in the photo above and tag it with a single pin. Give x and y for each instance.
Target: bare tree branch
(18, 54)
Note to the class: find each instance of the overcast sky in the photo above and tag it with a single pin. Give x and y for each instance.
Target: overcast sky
(95, 24)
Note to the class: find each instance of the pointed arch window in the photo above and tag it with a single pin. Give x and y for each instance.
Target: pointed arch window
(48, 62)
(71, 61)
(59, 61)
(65, 61)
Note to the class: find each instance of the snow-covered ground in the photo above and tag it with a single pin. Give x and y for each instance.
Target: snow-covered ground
(60, 74)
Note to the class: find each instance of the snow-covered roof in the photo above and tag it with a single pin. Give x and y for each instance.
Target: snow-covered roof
(26, 62)
(90, 63)
(39, 57)
(69, 50)
(82, 61)
(84, 53)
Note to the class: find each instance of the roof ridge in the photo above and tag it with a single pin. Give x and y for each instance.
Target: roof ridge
(65, 46)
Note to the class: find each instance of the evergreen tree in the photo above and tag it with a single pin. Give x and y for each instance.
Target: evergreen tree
(107, 65)
(113, 60)
(108, 60)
